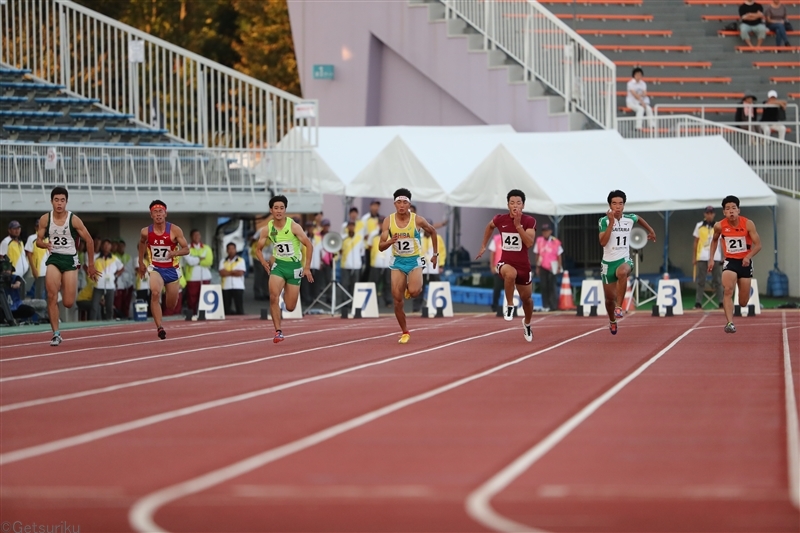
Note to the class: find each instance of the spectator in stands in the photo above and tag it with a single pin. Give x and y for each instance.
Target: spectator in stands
(777, 19)
(703, 234)
(496, 247)
(548, 252)
(773, 114)
(751, 22)
(124, 295)
(11, 290)
(637, 99)
(358, 223)
(231, 271)
(110, 268)
(36, 259)
(196, 269)
(351, 256)
(13, 249)
(430, 273)
(747, 114)
(380, 274)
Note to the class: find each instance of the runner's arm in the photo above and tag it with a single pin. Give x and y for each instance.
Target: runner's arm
(714, 244)
(77, 223)
(177, 236)
(605, 235)
(41, 231)
(487, 234)
(754, 236)
(298, 232)
(262, 241)
(386, 241)
(651, 234)
(430, 228)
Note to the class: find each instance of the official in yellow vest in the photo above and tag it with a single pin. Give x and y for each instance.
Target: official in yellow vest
(231, 272)
(703, 235)
(351, 256)
(196, 269)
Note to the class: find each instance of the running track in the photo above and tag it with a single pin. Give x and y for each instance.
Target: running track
(672, 425)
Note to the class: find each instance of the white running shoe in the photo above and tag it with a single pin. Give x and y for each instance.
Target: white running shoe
(508, 315)
(527, 331)
(56, 340)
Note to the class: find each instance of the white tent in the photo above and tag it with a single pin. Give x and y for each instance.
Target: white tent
(561, 174)
(699, 171)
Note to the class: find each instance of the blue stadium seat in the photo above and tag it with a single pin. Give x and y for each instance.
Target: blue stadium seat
(31, 114)
(9, 99)
(171, 145)
(65, 100)
(101, 116)
(17, 71)
(28, 85)
(52, 129)
(136, 131)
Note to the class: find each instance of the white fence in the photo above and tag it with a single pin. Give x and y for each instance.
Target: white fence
(131, 171)
(776, 162)
(162, 85)
(547, 49)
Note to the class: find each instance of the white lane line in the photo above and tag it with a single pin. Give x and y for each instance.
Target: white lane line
(144, 358)
(119, 386)
(106, 346)
(478, 504)
(792, 431)
(147, 357)
(68, 442)
(141, 514)
(43, 333)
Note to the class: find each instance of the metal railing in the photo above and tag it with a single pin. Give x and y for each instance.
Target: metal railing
(548, 50)
(161, 84)
(792, 110)
(776, 162)
(131, 170)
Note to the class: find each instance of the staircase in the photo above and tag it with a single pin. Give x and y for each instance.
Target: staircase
(688, 60)
(505, 34)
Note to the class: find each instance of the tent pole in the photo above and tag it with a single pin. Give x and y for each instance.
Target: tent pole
(666, 242)
(775, 232)
(348, 202)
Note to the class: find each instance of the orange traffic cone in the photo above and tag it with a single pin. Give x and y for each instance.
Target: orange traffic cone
(629, 304)
(565, 301)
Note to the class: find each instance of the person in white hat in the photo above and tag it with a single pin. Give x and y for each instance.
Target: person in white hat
(774, 112)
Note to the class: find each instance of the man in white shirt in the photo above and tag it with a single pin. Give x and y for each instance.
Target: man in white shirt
(351, 256)
(703, 235)
(231, 272)
(637, 99)
(110, 268)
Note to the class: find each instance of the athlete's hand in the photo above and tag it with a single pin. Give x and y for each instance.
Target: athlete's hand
(483, 250)
(651, 236)
(92, 273)
(610, 215)
(434, 260)
(265, 264)
(745, 262)
(517, 218)
(710, 265)
(141, 270)
(307, 275)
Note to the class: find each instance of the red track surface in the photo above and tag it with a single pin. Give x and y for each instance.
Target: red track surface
(697, 442)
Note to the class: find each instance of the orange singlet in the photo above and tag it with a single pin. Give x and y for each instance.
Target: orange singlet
(737, 239)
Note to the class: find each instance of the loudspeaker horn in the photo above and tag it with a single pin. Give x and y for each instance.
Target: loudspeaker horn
(332, 242)
(638, 238)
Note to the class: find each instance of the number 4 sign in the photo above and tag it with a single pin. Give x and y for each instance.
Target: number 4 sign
(592, 295)
(211, 302)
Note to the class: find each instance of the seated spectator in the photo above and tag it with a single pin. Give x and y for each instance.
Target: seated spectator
(747, 113)
(751, 18)
(19, 310)
(777, 21)
(637, 98)
(773, 114)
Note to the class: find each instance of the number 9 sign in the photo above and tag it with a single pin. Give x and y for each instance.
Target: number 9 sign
(211, 302)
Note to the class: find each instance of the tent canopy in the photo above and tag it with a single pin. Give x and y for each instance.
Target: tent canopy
(567, 173)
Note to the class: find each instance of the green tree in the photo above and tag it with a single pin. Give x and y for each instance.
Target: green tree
(264, 44)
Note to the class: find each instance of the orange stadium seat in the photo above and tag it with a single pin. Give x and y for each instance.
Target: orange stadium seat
(664, 64)
(643, 48)
(776, 64)
(757, 49)
(785, 79)
(686, 110)
(723, 18)
(689, 94)
(682, 80)
(733, 33)
(731, 2)
(594, 2)
(604, 17)
(623, 33)
(795, 96)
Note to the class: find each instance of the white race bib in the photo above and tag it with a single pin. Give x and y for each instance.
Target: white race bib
(159, 253)
(298, 273)
(404, 246)
(283, 249)
(512, 242)
(735, 245)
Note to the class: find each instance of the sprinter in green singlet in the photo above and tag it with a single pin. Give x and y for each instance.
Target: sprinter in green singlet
(290, 262)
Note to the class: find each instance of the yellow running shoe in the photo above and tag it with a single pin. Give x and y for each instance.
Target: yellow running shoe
(404, 338)
(408, 295)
